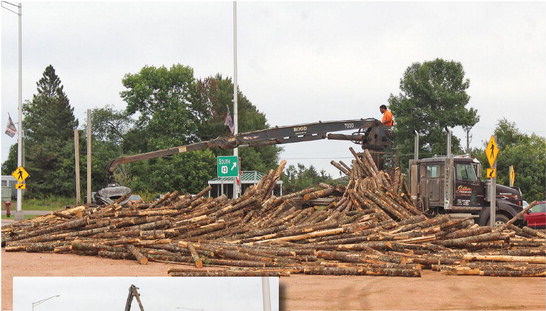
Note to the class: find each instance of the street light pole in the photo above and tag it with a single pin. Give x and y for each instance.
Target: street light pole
(39, 302)
(19, 213)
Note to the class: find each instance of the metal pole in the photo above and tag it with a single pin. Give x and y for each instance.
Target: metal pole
(416, 147)
(77, 165)
(511, 175)
(88, 156)
(493, 196)
(266, 294)
(448, 183)
(235, 104)
(19, 214)
(34, 304)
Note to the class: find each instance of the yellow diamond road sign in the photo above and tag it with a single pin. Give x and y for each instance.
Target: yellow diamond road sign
(492, 151)
(20, 174)
(491, 172)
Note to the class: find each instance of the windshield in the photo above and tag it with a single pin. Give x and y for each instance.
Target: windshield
(539, 208)
(465, 172)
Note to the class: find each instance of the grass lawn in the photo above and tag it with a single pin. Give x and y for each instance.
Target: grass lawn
(45, 204)
(25, 216)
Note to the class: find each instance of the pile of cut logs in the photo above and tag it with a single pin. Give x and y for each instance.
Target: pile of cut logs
(368, 227)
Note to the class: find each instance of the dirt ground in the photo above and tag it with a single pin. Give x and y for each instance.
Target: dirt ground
(433, 291)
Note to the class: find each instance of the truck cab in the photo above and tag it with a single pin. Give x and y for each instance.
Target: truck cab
(453, 185)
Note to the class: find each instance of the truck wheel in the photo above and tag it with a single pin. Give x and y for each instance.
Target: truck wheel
(500, 220)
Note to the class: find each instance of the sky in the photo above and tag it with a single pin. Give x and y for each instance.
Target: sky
(156, 293)
(297, 62)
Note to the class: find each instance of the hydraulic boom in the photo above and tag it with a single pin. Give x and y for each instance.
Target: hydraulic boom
(133, 293)
(369, 133)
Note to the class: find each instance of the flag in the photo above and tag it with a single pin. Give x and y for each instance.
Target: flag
(229, 123)
(11, 130)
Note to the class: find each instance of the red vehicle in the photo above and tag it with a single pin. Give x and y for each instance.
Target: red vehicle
(536, 217)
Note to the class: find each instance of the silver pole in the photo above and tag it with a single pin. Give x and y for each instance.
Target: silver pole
(235, 104)
(89, 156)
(39, 302)
(266, 294)
(493, 197)
(448, 183)
(19, 214)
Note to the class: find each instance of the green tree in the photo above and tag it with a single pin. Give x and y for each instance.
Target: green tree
(11, 162)
(299, 177)
(216, 95)
(187, 173)
(164, 101)
(527, 153)
(174, 109)
(110, 125)
(508, 135)
(433, 97)
(109, 132)
(49, 128)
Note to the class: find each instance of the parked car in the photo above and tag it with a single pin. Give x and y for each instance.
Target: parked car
(536, 217)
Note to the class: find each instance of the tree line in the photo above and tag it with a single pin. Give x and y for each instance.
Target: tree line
(168, 107)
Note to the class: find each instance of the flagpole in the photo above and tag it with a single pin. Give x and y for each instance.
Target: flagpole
(19, 214)
(235, 104)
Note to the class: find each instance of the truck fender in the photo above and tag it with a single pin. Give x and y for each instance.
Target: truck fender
(502, 206)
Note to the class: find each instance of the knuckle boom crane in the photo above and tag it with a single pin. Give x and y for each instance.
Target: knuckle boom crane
(133, 293)
(370, 134)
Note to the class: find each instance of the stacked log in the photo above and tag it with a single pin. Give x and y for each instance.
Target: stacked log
(369, 227)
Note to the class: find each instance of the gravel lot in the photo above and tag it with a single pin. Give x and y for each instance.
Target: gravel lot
(433, 291)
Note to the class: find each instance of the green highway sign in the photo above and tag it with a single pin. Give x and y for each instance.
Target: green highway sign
(227, 166)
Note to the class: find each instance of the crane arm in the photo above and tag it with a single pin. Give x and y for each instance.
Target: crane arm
(133, 292)
(372, 138)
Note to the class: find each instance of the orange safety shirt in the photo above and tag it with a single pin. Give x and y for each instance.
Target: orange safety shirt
(387, 118)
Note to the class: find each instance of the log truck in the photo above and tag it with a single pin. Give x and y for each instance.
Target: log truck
(453, 185)
(461, 192)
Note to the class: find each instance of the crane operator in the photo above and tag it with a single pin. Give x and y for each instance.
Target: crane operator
(387, 119)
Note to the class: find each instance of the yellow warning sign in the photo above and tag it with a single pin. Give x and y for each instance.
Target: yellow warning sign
(21, 186)
(492, 151)
(491, 173)
(20, 174)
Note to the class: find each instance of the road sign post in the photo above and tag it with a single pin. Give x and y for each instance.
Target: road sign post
(491, 152)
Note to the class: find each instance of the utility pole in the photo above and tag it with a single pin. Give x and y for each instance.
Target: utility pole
(77, 165)
(88, 157)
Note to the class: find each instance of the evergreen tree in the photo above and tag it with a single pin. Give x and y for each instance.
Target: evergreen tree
(49, 128)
